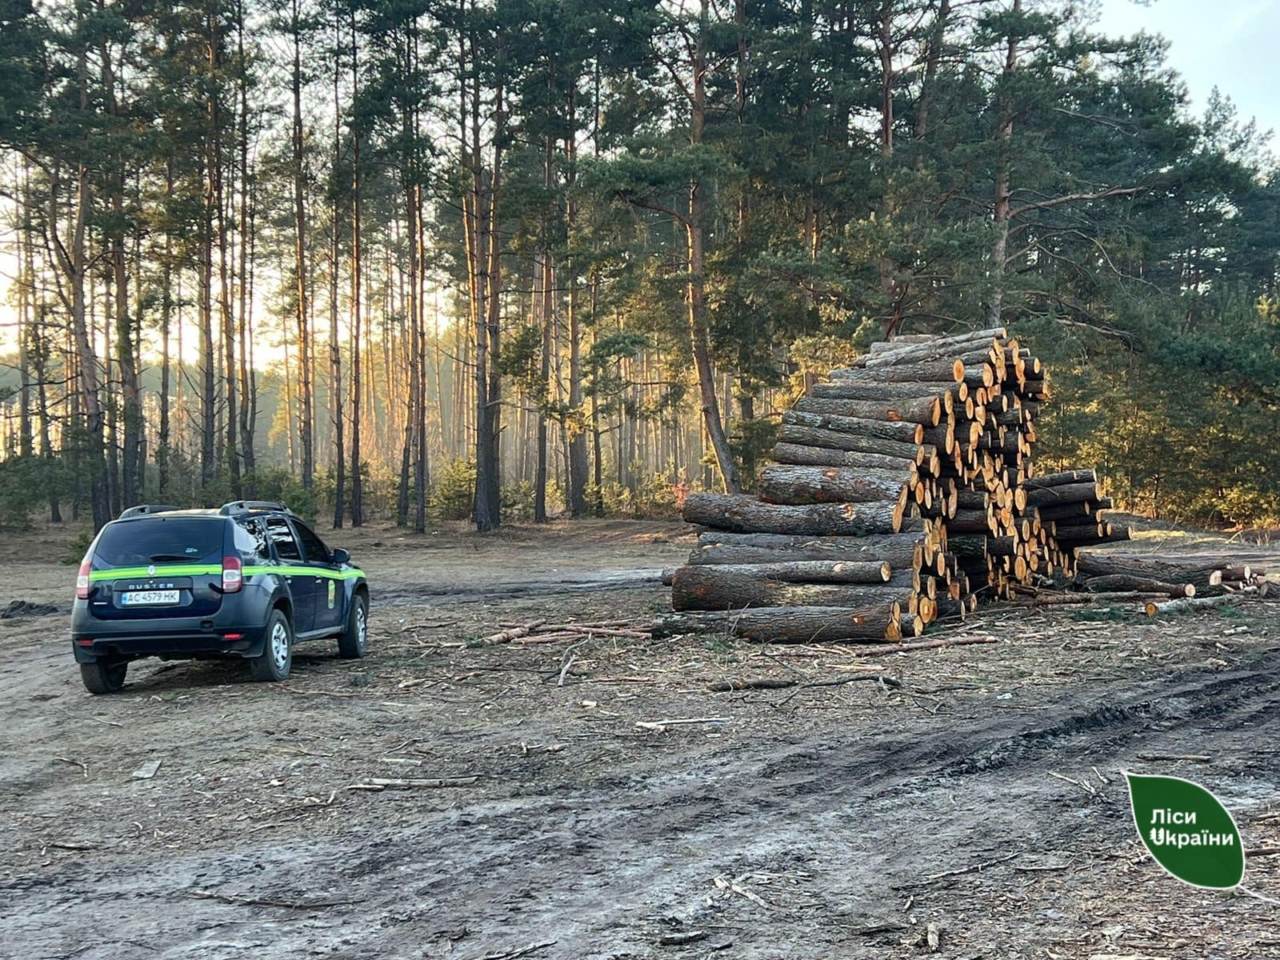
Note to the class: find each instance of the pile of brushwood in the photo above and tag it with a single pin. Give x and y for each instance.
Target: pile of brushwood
(902, 491)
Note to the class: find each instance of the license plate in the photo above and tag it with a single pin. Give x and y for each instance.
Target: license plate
(138, 598)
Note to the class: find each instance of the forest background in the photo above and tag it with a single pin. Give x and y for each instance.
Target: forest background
(421, 260)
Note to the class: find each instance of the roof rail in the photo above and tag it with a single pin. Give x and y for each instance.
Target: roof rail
(144, 509)
(249, 506)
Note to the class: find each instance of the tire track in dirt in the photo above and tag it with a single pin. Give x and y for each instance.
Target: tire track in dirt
(591, 864)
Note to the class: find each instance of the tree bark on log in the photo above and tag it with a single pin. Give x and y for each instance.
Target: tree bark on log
(875, 572)
(746, 514)
(1060, 479)
(926, 410)
(900, 430)
(1124, 583)
(942, 373)
(721, 588)
(834, 440)
(787, 624)
(883, 391)
(955, 345)
(824, 456)
(900, 550)
(1199, 575)
(790, 484)
(1058, 495)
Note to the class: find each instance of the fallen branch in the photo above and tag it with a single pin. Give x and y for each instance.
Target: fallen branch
(883, 649)
(660, 726)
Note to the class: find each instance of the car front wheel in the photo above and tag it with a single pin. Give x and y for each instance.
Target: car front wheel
(104, 676)
(272, 665)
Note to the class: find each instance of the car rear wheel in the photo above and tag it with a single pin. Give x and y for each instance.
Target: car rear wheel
(104, 676)
(272, 665)
(354, 641)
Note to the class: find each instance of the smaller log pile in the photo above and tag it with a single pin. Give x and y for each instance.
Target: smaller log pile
(1161, 583)
(902, 491)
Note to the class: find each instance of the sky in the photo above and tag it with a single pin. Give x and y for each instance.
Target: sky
(1230, 44)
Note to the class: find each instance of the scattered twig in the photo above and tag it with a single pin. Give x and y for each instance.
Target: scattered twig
(883, 649)
(515, 954)
(660, 726)
(680, 939)
(84, 767)
(946, 874)
(1190, 757)
(376, 784)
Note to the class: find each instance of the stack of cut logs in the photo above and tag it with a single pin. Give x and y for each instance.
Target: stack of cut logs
(902, 491)
(1164, 583)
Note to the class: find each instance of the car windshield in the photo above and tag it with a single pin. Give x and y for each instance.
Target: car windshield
(159, 540)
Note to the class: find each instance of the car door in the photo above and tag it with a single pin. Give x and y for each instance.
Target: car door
(302, 583)
(329, 585)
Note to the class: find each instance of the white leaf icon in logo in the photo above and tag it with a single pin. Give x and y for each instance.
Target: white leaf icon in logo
(151, 570)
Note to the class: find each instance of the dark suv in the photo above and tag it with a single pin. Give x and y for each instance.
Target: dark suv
(246, 580)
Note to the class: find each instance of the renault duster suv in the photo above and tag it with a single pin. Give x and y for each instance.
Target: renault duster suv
(247, 580)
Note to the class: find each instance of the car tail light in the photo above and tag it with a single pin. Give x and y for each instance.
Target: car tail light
(233, 636)
(82, 581)
(232, 575)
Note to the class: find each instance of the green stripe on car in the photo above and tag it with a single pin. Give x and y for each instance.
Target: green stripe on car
(208, 569)
(166, 570)
(286, 571)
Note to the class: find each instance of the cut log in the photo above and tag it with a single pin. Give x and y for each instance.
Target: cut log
(721, 588)
(945, 372)
(900, 430)
(835, 440)
(926, 410)
(900, 550)
(824, 456)
(1060, 479)
(950, 346)
(1123, 583)
(1200, 575)
(878, 390)
(748, 515)
(791, 484)
(1156, 608)
(1057, 495)
(787, 624)
(815, 571)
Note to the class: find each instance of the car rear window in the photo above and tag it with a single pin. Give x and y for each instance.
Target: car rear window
(159, 540)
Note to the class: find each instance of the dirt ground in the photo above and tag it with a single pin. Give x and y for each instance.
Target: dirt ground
(975, 789)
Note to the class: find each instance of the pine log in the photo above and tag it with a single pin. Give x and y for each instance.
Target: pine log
(1199, 574)
(1060, 479)
(926, 410)
(819, 571)
(1114, 534)
(1117, 583)
(824, 456)
(835, 440)
(1154, 608)
(948, 346)
(791, 484)
(1058, 495)
(720, 588)
(900, 430)
(940, 372)
(899, 550)
(746, 514)
(788, 624)
(900, 392)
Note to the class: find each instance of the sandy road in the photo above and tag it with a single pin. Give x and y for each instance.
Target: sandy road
(803, 823)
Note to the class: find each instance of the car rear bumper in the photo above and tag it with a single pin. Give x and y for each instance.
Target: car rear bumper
(132, 639)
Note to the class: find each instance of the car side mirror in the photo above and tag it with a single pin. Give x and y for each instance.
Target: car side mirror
(340, 556)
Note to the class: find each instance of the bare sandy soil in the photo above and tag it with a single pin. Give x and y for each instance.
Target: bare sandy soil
(975, 789)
